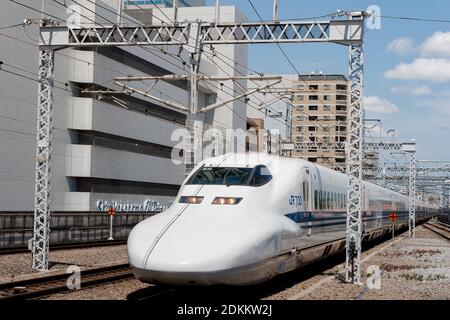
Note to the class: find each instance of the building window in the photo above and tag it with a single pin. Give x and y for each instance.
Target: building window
(341, 108)
(314, 87)
(313, 98)
(300, 87)
(326, 97)
(299, 118)
(313, 108)
(313, 118)
(326, 107)
(327, 87)
(299, 139)
(341, 87)
(300, 108)
(299, 128)
(299, 97)
(311, 128)
(340, 97)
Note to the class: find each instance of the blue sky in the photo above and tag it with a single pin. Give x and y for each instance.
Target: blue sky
(417, 105)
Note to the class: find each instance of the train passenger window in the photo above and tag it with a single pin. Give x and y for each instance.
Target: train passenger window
(334, 201)
(328, 200)
(316, 200)
(320, 200)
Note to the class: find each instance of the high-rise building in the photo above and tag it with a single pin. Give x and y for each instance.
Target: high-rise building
(319, 115)
(107, 149)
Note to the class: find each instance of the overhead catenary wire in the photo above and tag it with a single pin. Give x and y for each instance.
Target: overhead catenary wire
(287, 120)
(110, 21)
(70, 57)
(150, 12)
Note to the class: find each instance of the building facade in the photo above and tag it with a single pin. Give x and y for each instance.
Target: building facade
(319, 116)
(108, 150)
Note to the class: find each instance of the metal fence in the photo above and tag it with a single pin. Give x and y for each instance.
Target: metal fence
(16, 228)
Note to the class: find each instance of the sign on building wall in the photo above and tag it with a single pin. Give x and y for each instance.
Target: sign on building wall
(121, 206)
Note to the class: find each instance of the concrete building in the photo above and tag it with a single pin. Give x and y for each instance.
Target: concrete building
(107, 150)
(319, 114)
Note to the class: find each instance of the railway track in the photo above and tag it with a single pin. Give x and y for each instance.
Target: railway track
(67, 246)
(440, 228)
(52, 284)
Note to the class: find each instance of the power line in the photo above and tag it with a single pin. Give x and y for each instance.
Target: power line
(207, 53)
(34, 9)
(278, 45)
(414, 19)
(13, 26)
(152, 52)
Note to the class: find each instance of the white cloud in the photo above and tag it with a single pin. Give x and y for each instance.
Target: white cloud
(424, 69)
(417, 90)
(378, 105)
(438, 45)
(401, 46)
(421, 90)
(398, 89)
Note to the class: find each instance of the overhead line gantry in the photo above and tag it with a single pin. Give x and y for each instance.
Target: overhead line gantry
(193, 36)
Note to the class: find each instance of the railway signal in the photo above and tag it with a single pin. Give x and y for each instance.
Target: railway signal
(111, 212)
(393, 217)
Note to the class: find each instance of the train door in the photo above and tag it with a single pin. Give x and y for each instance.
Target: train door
(307, 196)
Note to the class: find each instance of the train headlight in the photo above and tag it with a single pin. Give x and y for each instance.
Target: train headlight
(226, 201)
(191, 200)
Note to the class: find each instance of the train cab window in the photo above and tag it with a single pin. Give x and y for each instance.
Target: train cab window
(261, 175)
(231, 176)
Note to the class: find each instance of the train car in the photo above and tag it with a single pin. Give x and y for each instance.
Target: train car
(241, 219)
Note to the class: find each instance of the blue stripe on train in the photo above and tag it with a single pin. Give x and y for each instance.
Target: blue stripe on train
(301, 216)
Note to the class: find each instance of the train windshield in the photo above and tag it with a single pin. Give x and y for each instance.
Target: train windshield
(231, 176)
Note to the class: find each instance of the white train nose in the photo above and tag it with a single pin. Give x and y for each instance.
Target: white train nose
(199, 245)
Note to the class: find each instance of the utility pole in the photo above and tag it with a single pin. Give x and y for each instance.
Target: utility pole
(275, 11)
(217, 16)
(119, 12)
(175, 11)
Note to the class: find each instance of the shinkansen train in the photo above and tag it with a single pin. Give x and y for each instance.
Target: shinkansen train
(241, 219)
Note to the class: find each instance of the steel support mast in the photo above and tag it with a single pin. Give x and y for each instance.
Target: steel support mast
(41, 228)
(412, 196)
(354, 156)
